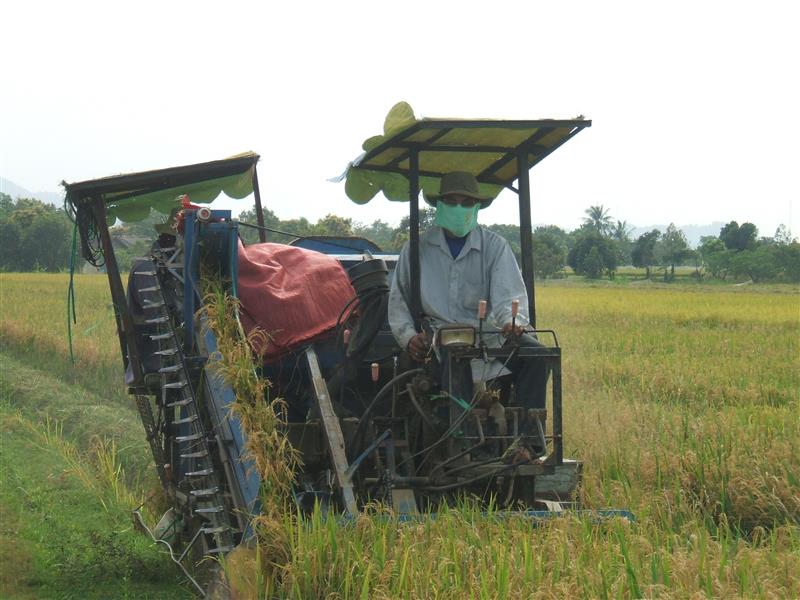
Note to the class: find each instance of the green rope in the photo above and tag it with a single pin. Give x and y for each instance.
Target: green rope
(71, 317)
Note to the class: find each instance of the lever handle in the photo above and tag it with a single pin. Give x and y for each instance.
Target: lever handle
(482, 310)
(346, 337)
(514, 308)
(376, 372)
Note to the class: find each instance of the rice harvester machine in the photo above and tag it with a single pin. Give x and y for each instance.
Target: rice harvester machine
(369, 423)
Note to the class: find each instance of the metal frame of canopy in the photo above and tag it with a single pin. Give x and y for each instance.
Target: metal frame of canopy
(408, 146)
(94, 196)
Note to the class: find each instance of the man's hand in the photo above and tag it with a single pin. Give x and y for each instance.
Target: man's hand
(507, 330)
(418, 346)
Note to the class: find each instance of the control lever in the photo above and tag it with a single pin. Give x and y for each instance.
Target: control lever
(514, 311)
(376, 372)
(481, 318)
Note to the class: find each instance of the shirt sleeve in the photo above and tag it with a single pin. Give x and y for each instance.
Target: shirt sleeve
(400, 319)
(507, 285)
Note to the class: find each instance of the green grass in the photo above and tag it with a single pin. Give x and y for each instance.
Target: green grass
(71, 470)
(61, 540)
(81, 414)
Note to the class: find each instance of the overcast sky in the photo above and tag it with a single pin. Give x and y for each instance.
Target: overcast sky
(693, 103)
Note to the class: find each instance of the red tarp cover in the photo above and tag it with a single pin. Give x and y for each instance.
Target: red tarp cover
(292, 294)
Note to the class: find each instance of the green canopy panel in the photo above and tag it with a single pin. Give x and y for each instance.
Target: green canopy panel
(131, 197)
(486, 148)
(138, 207)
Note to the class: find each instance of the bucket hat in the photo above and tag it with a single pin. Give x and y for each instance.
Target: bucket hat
(461, 183)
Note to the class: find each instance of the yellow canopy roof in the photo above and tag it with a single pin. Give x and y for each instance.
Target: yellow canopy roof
(486, 148)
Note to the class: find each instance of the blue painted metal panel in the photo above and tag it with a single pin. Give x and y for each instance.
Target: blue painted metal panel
(190, 273)
(221, 234)
(220, 398)
(338, 245)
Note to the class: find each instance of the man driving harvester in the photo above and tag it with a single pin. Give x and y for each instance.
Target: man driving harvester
(462, 263)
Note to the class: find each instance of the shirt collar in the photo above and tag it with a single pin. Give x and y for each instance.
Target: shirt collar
(473, 241)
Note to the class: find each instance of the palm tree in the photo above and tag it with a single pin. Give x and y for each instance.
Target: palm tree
(598, 218)
(622, 231)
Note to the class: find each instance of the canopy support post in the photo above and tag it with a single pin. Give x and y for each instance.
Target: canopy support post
(413, 239)
(127, 338)
(262, 233)
(525, 230)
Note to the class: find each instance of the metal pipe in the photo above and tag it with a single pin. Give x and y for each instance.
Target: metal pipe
(525, 231)
(262, 233)
(362, 421)
(481, 441)
(462, 483)
(413, 238)
(558, 441)
(127, 337)
(400, 480)
(361, 457)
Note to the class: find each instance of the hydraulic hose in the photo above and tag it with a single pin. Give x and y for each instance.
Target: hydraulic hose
(450, 486)
(381, 393)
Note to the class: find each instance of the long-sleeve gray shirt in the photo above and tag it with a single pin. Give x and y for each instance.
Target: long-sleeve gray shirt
(451, 288)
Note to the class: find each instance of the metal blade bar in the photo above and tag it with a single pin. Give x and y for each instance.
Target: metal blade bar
(176, 385)
(189, 419)
(212, 530)
(150, 305)
(156, 321)
(179, 403)
(200, 473)
(200, 454)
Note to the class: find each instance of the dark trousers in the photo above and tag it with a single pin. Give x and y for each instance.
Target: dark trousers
(528, 374)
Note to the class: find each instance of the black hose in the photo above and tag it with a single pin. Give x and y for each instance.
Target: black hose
(341, 320)
(425, 417)
(450, 486)
(453, 425)
(386, 388)
(361, 337)
(371, 319)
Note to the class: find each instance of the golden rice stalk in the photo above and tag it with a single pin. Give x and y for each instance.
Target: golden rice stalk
(261, 417)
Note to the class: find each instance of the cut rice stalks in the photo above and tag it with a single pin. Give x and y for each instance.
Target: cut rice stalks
(262, 420)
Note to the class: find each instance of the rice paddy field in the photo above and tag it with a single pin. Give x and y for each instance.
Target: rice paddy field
(681, 400)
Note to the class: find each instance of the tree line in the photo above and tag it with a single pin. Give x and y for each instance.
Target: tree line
(36, 236)
(596, 249)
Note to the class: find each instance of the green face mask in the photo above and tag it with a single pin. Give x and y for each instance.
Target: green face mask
(457, 219)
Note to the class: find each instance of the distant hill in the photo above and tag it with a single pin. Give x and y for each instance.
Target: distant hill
(17, 191)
